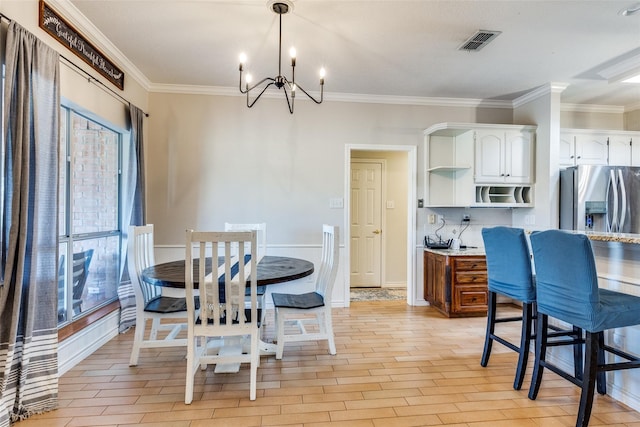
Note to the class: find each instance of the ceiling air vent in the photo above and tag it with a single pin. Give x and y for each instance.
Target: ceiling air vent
(479, 40)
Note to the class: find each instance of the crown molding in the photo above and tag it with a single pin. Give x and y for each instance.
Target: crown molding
(556, 87)
(198, 90)
(338, 97)
(593, 108)
(623, 69)
(632, 107)
(89, 30)
(419, 101)
(549, 88)
(408, 100)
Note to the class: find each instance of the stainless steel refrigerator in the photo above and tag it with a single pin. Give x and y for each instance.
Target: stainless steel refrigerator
(600, 198)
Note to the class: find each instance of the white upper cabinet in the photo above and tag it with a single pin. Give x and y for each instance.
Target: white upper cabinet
(481, 165)
(567, 149)
(519, 157)
(591, 149)
(490, 154)
(504, 155)
(620, 150)
(635, 151)
(580, 148)
(598, 147)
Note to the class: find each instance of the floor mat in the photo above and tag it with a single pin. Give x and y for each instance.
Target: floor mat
(378, 294)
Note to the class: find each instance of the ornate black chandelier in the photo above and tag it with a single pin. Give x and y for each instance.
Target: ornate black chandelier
(290, 87)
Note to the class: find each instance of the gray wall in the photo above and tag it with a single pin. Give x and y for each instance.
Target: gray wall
(212, 160)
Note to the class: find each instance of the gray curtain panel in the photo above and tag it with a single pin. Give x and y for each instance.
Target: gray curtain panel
(29, 246)
(139, 214)
(134, 211)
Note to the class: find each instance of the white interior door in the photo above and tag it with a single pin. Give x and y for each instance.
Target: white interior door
(366, 223)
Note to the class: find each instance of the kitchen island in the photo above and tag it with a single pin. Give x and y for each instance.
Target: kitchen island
(455, 281)
(617, 257)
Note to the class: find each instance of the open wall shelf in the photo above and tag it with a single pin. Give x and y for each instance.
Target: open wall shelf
(505, 195)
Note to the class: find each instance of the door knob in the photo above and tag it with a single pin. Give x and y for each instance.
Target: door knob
(377, 231)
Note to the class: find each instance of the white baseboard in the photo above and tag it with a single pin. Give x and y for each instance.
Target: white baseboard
(82, 344)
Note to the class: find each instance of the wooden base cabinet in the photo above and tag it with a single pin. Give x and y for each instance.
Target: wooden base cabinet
(435, 274)
(456, 285)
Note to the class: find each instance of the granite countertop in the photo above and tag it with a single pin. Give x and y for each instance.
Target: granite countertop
(592, 235)
(459, 252)
(613, 237)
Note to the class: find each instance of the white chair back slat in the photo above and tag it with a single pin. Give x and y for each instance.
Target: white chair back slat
(150, 304)
(236, 247)
(221, 319)
(328, 263)
(139, 257)
(260, 228)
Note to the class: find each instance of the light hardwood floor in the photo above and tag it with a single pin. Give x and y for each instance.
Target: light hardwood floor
(396, 366)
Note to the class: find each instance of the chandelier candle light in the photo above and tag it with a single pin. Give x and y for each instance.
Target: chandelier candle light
(281, 82)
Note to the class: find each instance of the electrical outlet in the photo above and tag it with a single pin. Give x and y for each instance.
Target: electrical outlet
(466, 218)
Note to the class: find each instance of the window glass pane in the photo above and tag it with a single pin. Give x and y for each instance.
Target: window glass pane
(89, 240)
(95, 177)
(96, 268)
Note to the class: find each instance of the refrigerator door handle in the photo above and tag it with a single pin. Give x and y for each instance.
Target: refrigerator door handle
(623, 201)
(607, 215)
(612, 217)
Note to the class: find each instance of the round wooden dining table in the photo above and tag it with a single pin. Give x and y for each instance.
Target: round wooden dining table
(271, 270)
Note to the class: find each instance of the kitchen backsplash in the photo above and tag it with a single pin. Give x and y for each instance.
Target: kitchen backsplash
(470, 233)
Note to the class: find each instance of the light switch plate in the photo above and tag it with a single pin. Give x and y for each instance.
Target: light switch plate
(336, 203)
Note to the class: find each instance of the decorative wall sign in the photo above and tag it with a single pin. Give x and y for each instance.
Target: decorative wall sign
(62, 31)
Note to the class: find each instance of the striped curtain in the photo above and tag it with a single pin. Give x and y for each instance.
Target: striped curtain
(133, 211)
(29, 228)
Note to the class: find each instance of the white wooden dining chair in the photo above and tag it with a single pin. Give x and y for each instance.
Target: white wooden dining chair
(294, 310)
(261, 229)
(165, 313)
(223, 317)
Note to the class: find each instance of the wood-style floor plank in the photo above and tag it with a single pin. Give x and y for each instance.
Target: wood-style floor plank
(396, 365)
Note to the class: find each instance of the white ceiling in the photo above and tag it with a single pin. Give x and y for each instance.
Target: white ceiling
(389, 48)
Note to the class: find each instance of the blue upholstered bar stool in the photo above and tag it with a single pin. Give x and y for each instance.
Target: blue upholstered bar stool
(567, 289)
(509, 274)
